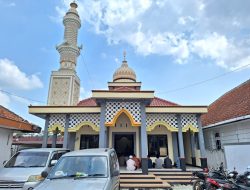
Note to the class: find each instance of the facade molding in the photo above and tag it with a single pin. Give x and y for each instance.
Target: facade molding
(127, 113)
(163, 123)
(177, 109)
(56, 126)
(124, 94)
(62, 109)
(83, 124)
(191, 127)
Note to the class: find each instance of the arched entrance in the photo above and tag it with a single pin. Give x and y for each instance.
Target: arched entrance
(124, 138)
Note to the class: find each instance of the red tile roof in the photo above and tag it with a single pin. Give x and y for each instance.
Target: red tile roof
(158, 102)
(124, 88)
(89, 102)
(232, 104)
(10, 120)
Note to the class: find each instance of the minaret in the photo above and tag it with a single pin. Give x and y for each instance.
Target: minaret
(64, 87)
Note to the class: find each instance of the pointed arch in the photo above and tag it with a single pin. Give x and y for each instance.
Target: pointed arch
(57, 126)
(163, 123)
(191, 127)
(127, 113)
(82, 124)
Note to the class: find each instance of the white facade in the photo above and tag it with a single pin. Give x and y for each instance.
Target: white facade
(234, 133)
(5, 144)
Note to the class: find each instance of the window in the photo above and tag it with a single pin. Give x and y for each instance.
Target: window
(217, 141)
(114, 165)
(89, 141)
(157, 145)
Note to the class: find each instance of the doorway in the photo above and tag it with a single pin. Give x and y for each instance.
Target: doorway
(124, 144)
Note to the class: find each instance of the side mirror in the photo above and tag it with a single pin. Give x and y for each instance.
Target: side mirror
(115, 173)
(44, 174)
(53, 162)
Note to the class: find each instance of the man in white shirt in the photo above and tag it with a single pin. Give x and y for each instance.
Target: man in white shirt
(130, 164)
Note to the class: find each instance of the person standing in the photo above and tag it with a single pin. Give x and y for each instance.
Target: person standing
(130, 164)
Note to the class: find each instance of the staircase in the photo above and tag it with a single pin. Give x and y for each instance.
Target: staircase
(156, 179)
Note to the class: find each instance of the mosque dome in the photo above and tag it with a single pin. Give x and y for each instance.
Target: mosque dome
(124, 72)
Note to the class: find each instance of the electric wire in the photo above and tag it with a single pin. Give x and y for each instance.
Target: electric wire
(203, 81)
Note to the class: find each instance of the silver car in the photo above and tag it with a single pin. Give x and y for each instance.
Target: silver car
(23, 170)
(89, 169)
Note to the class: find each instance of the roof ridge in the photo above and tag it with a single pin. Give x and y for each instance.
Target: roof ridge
(11, 112)
(166, 100)
(230, 91)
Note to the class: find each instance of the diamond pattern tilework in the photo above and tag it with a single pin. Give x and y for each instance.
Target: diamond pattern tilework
(187, 119)
(112, 108)
(168, 118)
(57, 119)
(76, 119)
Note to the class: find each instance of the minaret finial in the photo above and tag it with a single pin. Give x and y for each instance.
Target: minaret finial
(124, 55)
(74, 4)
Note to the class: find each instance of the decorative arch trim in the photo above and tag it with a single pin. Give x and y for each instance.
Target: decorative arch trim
(57, 126)
(133, 122)
(191, 127)
(82, 124)
(163, 123)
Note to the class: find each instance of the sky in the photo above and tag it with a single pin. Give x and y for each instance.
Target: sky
(189, 51)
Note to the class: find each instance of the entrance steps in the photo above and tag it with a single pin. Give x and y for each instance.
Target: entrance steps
(156, 179)
(139, 181)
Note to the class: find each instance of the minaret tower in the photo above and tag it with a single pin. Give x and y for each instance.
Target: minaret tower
(64, 87)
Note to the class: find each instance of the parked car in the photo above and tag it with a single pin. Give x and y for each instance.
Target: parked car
(89, 169)
(23, 170)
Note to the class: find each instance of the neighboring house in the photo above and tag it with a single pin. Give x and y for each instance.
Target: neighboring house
(10, 123)
(227, 129)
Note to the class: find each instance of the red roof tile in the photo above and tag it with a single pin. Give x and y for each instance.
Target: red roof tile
(158, 102)
(124, 88)
(9, 119)
(232, 104)
(89, 102)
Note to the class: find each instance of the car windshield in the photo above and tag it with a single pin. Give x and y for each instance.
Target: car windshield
(28, 159)
(80, 166)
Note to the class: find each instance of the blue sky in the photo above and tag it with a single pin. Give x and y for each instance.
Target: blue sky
(170, 44)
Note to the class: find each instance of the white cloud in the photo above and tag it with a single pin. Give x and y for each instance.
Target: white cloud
(176, 28)
(12, 77)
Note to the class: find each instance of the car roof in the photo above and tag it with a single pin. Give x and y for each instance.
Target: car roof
(43, 150)
(92, 152)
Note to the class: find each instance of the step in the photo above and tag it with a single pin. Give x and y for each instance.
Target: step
(165, 185)
(142, 181)
(176, 173)
(176, 177)
(150, 176)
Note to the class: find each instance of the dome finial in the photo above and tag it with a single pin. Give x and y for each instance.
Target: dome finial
(124, 55)
(73, 4)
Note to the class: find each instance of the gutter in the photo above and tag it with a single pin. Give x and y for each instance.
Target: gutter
(227, 121)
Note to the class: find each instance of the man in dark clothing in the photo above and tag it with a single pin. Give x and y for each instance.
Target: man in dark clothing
(150, 163)
(167, 162)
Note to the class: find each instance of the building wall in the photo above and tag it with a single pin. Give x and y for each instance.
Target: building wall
(85, 130)
(5, 144)
(161, 130)
(233, 133)
(123, 125)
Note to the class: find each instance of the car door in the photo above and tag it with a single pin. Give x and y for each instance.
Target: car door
(114, 171)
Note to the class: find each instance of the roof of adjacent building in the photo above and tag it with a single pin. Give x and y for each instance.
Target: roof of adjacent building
(233, 104)
(10, 120)
(156, 102)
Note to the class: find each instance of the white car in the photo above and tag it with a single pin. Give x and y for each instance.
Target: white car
(23, 170)
(89, 169)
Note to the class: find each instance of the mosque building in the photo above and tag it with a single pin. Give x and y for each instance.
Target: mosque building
(123, 117)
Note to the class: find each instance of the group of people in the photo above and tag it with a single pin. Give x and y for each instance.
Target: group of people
(159, 163)
(134, 163)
